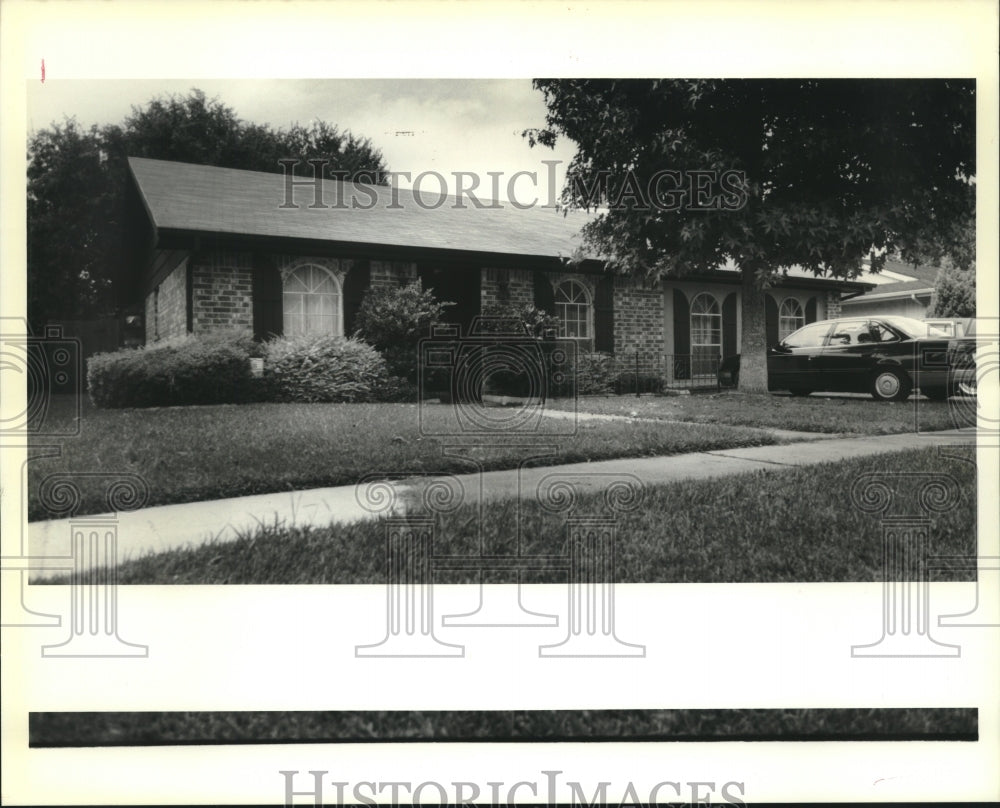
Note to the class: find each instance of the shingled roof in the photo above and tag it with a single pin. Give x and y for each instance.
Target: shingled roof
(189, 198)
(207, 199)
(898, 280)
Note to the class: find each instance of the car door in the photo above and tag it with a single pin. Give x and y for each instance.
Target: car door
(791, 364)
(851, 353)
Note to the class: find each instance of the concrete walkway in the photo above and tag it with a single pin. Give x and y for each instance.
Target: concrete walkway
(173, 526)
(780, 434)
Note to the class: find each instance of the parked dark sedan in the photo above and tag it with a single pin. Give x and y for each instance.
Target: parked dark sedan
(885, 356)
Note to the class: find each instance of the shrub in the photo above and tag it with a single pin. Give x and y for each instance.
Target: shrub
(595, 374)
(394, 320)
(507, 318)
(322, 368)
(205, 369)
(520, 324)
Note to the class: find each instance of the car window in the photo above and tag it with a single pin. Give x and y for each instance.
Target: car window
(946, 328)
(879, 333)
(915, 328)
(857, 332)
(811, 336)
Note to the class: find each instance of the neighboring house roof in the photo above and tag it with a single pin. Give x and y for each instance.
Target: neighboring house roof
(897, 280)
(190, 198)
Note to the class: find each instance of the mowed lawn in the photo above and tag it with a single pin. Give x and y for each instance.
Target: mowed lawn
(188, 454)
(786, 525)
(815, 413)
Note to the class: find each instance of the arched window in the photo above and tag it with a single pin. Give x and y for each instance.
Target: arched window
(311, 302)
(706, 332)
(790, 317)
(573, 308)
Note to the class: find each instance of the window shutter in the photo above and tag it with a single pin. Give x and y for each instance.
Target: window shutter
(356, 283)
(811, 310)
(729, 345)
(544, 296)
(604, 315)
(682, 323)
(770, 321)
(267, 304)
(682, 336)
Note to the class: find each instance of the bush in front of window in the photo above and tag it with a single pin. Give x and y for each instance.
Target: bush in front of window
(394, 320)
(322, 368)
(206, 369)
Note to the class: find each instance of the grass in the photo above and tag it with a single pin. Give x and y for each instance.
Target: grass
(815, 413)
(55, 729)
(189, 454)
(785, 525)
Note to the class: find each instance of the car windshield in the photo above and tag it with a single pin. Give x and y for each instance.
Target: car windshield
(915, 328)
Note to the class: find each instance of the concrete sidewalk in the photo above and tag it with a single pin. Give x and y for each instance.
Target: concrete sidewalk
(173, 526)
(781, 434)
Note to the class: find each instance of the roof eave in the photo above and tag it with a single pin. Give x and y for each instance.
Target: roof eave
(899, 295)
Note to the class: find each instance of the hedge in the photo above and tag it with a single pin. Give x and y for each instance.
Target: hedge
(322, 368)
(209, 369)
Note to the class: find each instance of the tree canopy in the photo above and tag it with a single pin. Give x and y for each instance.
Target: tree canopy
(686, 175)
(77, 176)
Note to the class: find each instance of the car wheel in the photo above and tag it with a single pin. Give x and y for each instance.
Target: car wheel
(890, 384)
(936, 393)
(800, 391)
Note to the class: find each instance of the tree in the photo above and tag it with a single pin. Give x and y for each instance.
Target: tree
(954, 292)
(685, 175)
(77, 180)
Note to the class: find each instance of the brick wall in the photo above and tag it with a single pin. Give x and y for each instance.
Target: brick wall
(514, 286)
(392, 273)
(149, 321)
(173, 303)
(222, 292)
(638, 317)
(166, 307)
(832, 306)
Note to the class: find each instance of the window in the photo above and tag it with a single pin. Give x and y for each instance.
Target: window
(879, 333)
(311, 302)
(790, 317)
(812, 336)
(706, 333)
(573, 310)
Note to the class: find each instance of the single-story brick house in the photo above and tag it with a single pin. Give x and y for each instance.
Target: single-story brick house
(219, 247)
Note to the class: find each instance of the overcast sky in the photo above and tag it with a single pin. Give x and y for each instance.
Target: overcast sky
(420, 125)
